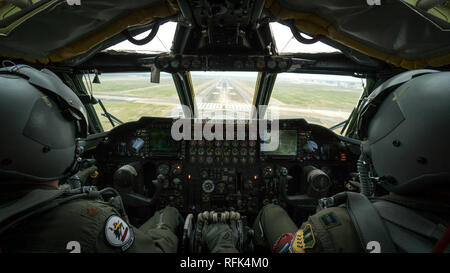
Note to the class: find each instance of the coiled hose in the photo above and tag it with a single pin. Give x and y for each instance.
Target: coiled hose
(363, 171)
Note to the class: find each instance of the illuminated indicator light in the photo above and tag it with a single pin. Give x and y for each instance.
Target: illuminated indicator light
(255, 177)
(343, 157)
(189, 177)
(94, 174)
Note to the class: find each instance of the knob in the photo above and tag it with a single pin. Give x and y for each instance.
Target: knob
(204, 174)
(176, 181)
(161, 177)
(163, 169)
(136, 145)
(208, 186)
(124, 176)
(318, 182)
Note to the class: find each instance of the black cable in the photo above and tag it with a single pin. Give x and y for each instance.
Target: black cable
(296, 32)
(364, 179)
(290, 23)
(145, 40)
(117, 194)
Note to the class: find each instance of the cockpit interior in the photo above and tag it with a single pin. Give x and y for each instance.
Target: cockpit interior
(185, 98)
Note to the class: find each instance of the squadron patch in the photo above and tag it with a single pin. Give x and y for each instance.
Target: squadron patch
(303, 239)
(118, 233)
(283, 242)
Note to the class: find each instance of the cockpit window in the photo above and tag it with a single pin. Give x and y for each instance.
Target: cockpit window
(321, 99)
(130, 96)
(224, 95)
(161, 43)
(286, 43)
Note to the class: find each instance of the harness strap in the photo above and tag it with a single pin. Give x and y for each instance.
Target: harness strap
(39, 201)
(394, 227)
(410, 231)
(409, 219)
(31, 200)
(43, 207)
(368, 223)
(408, 241)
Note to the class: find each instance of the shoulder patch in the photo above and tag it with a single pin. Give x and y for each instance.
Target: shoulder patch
(303, 239)
(118, 233)
(330, 220)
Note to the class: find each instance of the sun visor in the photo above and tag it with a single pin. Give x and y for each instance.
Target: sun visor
(394, 31)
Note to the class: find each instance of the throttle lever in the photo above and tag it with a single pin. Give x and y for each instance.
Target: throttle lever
(141, 200)
(301, 201)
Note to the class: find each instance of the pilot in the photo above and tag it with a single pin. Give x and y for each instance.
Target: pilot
(42, 120)
(406, 145)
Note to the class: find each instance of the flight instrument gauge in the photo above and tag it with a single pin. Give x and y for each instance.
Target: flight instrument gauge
(208, 186)
(163, 169)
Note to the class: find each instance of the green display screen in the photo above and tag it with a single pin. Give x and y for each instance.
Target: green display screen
(162, 141)
(287, 144)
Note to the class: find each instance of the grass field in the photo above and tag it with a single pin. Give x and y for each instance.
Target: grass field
(136, 86)
(140, 86)
(302, 94)
(133, 85)
(316, 96)
(129, 111)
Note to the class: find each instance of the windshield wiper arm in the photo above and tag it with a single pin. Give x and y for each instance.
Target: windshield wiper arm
(109, 116)
(118, 121)
(339, 125)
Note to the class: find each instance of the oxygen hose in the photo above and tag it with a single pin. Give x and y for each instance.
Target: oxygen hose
(119, 199)
(363, 171)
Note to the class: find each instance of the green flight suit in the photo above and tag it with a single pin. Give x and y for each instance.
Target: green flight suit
(82, 223)
(331, 229)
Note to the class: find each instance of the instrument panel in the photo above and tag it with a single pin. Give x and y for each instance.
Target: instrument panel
(240, 174)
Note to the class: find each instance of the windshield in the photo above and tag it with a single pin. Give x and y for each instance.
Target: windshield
(161, 43)
(322, 99)
(286, 43)
(224, 95)
(130, 96)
